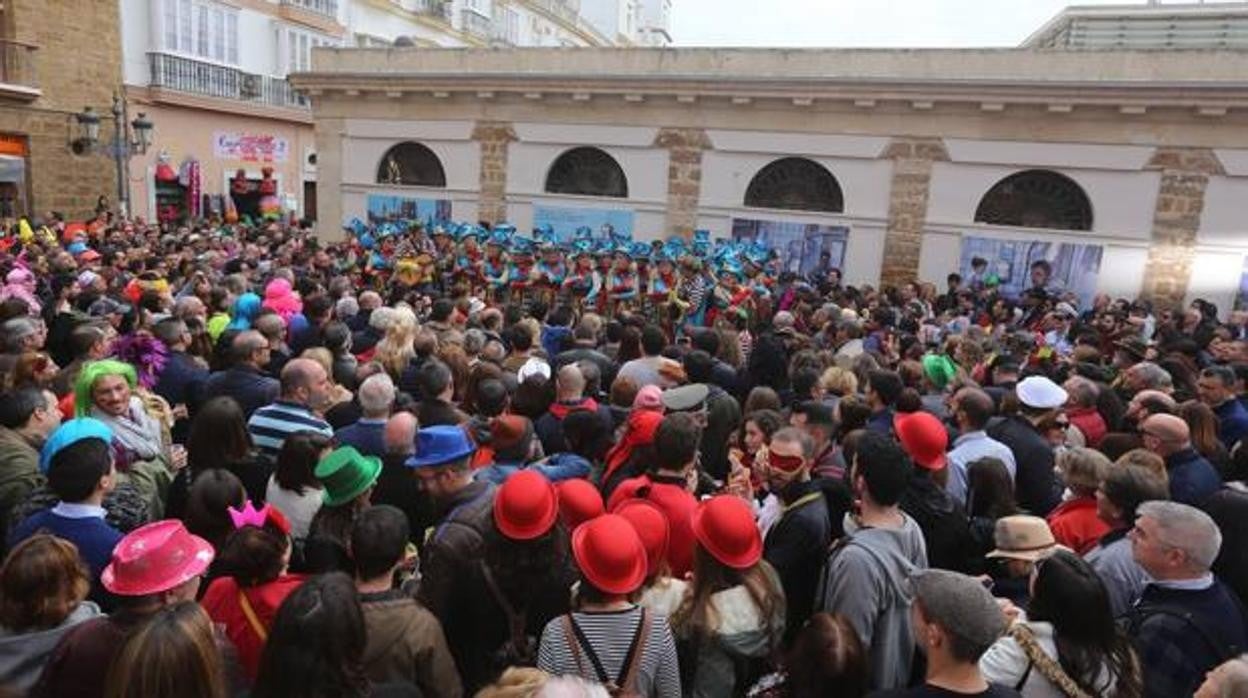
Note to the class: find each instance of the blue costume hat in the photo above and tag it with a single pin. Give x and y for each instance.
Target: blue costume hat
(70, 433)
(701, 242)
(583, 233)
(499, 238)
(639, 251)
(521, 245)
(440, 445)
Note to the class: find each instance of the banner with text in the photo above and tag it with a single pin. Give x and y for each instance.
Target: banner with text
(565, 221)
(250, 147)
(800, 245)
(1075, 266)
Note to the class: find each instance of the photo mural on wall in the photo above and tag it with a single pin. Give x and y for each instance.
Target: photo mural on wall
(800, 245)
(1075, 267)
(384, 208)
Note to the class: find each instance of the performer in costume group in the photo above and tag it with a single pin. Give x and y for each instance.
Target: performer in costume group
(676, 283)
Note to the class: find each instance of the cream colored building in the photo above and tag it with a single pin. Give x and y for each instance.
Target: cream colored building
(1142, 153)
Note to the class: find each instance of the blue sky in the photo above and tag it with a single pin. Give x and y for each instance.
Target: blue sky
(863, 23)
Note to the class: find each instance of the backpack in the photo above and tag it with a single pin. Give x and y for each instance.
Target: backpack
(624, 685)
(520, 648)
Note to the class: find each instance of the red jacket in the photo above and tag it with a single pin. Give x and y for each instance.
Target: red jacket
(1090, 422)
(1075, 525)
(671, 496)
(223, 607)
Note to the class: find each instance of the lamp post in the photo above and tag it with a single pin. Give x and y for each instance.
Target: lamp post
(128, 140)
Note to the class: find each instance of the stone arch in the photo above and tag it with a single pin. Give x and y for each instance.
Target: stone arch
(1036, 199)
(798, 184)
(587, 171)
(411, 163)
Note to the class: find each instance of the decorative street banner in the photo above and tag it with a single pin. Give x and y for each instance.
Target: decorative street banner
(1075, 267)
(798, 244)
(250, 147)
(386, 207)
(566, 220)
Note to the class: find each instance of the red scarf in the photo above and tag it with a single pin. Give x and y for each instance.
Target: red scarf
(639, 431)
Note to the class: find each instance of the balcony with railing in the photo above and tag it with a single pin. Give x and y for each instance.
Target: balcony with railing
(434, 9)
(17, 70)
(475, 24)
(326, 8)
(181, 74)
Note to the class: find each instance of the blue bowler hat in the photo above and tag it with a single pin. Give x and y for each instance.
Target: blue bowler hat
(440, 445)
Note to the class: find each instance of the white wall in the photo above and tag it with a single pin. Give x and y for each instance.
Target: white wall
(257, 43)
(1121, 201)
(1225, 218)
(864, 184)
(137, 40)
(1215, 277)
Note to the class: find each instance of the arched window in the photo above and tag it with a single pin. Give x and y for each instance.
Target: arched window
(411, 163)
(588, 172)
(1036, 199)
(795, 183)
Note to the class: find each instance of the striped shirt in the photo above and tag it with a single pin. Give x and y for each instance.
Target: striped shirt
(269, 426)
(610, 633)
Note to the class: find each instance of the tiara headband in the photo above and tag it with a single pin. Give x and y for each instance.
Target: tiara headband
(250, 516)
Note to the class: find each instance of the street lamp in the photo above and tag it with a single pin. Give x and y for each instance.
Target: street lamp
(126, 143)
(88, 128)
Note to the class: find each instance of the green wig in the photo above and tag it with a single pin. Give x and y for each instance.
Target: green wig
(93, 371)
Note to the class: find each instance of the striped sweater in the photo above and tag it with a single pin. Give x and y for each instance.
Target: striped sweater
(269, 426)
(610, 633)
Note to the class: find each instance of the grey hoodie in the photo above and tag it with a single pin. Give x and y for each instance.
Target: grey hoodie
(23, 655)
(867, 581)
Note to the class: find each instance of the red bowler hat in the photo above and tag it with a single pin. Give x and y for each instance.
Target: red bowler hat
(526, 506)
(579, 501)
(724, 525)
(610, 554)
(154, 558)
(652, 526)
(924, 438)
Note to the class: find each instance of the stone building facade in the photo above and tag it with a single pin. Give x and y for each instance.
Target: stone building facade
(55, 59)
(911, 153)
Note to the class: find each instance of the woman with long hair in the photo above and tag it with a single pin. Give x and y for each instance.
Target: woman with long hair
(1203, 424)
(734, 609)
(395, 350)
(316, 646)
(989, 496)
(218, 439)
(172, 655)
(293, 487)
(827, 658)
(253, 581)
(208, 503)
(1068, 644)
(43, 591)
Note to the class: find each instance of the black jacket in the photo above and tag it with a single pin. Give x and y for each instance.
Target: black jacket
(249, 388)
(1035, 484)
(946, 531)
(398, 487)
(722, 419)
(1229, 509)
(797, 544)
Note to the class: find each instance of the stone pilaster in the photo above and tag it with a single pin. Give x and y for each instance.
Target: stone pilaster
(1176, 219)
(907, 205)
(684, 176)
(495, 138)
(329, 170)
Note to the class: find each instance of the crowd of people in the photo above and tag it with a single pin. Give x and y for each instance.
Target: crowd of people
(235, 460)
